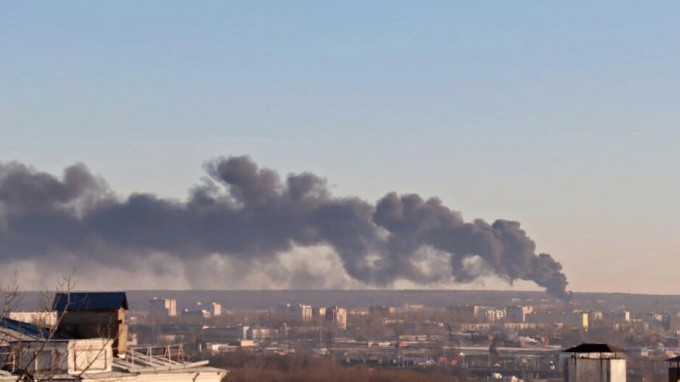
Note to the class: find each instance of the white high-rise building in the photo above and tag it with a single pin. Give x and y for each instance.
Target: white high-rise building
(215, 309)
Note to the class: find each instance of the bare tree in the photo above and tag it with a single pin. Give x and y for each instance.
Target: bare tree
(35, 351)
(11, 296)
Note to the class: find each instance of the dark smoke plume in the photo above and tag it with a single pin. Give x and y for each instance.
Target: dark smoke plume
(247, 212)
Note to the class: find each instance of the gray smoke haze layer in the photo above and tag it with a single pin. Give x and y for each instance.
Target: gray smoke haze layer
(243, 211)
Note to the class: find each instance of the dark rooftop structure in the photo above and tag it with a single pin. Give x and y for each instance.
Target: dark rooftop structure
(93, 315)
(594, 348)
(673, 368)
(89, 301)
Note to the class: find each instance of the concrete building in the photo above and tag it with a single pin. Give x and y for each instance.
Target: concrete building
(490, 314)
(464, 313)
(674, 324)
(517, 313)
(594, 363)
(382, 310)
(619, 315)
(577, 320)
(215, 309)
(337, 316)
(241, 332)
(196, 313)
(653, 319)
(163, 307)
(200, 311)
(89, 345)
(259, 334)
(85, 315)
(318, 314)
(595, 315)
(295, 313)
(228, 334)
(90, 360)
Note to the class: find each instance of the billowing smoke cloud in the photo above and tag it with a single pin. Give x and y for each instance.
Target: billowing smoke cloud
(244, 213)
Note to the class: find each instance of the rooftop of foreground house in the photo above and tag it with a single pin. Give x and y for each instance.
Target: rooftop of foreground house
(47, 354)
(89, 301)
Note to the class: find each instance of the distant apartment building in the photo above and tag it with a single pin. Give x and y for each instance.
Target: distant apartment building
(337, 316)
(489, 314)
(573, 319)
(258, 334)
(215, 309)
(295, 313)
(665, 321)
(653, 318)
(229, 333)
(576, 319)
(241, 332)
(518, 313)
(464, 313)
(197, 311)
(382, 310)
(532, 325)
(674, 324)
(318, 313)
(619, 315)
(595, 315)
(163, 307)
(358, 312)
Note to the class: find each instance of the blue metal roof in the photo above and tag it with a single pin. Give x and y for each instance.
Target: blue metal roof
(89, 301)
(31, 330)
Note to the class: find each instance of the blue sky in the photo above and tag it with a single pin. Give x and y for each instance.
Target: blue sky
(561, 116)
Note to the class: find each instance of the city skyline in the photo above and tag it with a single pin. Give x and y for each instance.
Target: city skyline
(558, 116)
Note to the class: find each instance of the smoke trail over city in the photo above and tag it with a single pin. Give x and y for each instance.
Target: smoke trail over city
(249, 214)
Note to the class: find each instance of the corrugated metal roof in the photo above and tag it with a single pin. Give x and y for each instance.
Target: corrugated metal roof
(87, 301)
(30, 330)
(594, 348)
